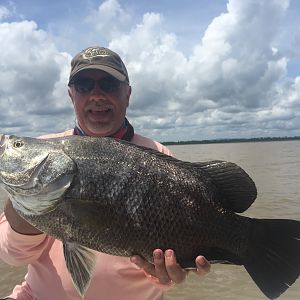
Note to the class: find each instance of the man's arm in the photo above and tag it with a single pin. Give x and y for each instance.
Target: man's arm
(20, 242)
(16, 222)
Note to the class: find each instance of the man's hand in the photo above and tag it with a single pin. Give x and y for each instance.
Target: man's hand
(166, 269)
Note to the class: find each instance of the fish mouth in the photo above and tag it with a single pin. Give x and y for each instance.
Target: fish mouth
(38, 196)
(33, 185)
(35, 178)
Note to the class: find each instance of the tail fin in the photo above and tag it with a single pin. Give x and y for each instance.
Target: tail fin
(273, 260)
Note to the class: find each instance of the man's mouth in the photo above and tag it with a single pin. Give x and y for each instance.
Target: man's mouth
(100, 114)
(96, 111)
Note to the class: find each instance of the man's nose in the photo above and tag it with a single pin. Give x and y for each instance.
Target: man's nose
(97, 90)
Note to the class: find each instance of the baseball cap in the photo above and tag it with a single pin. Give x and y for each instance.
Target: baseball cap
(99, 58)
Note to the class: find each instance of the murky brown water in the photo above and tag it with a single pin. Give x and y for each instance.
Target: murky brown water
(275, 167)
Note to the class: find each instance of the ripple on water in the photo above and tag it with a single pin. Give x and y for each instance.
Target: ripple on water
(224, 282)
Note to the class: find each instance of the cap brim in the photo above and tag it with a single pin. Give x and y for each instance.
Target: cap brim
(113, 72)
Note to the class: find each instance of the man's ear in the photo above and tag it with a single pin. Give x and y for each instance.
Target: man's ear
(70, 95)
(129, 90)
(128, 94)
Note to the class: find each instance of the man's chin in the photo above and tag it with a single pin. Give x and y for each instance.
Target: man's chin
(100, 131)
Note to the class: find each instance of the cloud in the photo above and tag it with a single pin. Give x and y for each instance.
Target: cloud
(33, 80)
(109, 20)
(233, 71)
(234, 82)
(235, 65)
(153, 63)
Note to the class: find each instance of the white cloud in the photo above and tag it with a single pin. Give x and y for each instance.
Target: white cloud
(153, 63)
(234, 83)
(233, 63)
(109, 20)
(234, 69)
(33, 80)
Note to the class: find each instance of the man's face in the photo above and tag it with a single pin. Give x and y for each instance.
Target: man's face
(99, 112)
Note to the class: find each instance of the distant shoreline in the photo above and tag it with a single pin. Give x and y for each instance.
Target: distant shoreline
(240, 140)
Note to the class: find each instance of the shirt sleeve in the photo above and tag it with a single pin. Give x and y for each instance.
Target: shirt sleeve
(19, 249)
(146, 142)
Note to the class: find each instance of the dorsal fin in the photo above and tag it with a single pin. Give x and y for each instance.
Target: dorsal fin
(233, 183)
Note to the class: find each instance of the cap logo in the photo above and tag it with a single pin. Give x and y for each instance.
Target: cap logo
(94, 52)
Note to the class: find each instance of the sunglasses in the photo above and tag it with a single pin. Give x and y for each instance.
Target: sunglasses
(85, 84)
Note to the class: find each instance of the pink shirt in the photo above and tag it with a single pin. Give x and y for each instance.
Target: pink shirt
(48, 278)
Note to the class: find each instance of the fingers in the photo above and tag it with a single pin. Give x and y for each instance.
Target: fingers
(203, 266)
(157, 269)
(165, 267)
(174, 270)
(160, 267)
(143, 264)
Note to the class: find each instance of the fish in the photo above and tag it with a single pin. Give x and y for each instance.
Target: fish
(111, 196)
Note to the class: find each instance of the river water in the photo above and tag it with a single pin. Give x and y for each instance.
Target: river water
(275, 168)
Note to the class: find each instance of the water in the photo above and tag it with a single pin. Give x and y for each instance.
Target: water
(275, 168)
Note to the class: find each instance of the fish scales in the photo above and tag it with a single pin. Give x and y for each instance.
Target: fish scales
(153, 201)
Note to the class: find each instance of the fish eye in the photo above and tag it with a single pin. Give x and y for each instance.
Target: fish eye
(18, 144)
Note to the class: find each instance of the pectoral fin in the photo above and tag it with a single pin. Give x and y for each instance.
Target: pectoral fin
(80, 263)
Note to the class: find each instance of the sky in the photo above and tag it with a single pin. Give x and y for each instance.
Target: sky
(208, 69)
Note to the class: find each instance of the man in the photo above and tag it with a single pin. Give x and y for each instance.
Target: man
(100, 92)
